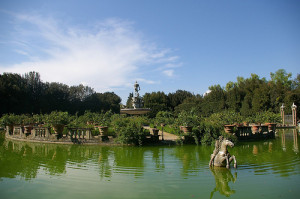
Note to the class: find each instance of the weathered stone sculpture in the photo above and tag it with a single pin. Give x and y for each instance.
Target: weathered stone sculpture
(137, 103)
(221, 157)
(136, 100)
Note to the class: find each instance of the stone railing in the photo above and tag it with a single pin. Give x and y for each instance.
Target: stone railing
(78, 135)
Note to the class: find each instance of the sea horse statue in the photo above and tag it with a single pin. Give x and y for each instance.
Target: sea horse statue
(221, 157)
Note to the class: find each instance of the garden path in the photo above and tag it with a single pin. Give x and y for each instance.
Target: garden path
(167, 136)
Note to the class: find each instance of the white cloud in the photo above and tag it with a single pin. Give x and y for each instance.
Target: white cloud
(169, 73)
(110, 54)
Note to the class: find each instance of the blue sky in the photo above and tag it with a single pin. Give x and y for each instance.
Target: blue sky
(164, 44)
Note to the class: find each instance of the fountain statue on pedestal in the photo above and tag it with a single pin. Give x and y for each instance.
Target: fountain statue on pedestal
(137, 103)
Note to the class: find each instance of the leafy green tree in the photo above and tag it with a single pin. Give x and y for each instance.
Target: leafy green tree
(261, 99)
(282, 77)
(156, 101)
(12, 93)
(129, 101)
(178, 97)
(190, 104)
(215, 101)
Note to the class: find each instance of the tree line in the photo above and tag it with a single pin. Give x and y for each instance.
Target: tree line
(246, 96)
(28, 94)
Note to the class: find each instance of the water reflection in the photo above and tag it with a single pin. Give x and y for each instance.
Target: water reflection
(295, 136)
(283, 140)
(279, 156)
(129, 160)
(222, 177)
(295, 139)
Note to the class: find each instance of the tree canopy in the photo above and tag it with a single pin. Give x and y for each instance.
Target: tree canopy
(28, 94)
(247, 96)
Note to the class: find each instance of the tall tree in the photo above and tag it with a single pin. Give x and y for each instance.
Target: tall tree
(215, 101)
(157, 101)
(178, 97)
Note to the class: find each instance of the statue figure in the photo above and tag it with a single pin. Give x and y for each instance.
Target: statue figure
(136, 101)
(136, 89)
(221, 157)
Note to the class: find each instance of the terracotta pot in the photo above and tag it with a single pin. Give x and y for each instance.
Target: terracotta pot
(28, 129)
(255, 128)
(186, 129)
(228, 128)
(246, 123)
(103, 130)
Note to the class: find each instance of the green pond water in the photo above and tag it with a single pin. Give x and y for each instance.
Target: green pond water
(266, 169)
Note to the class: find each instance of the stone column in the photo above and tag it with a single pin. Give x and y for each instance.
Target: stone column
(47, 132)
(88, 134)
(282, 113)
(34, 132)
(7, 131)
(294, 114)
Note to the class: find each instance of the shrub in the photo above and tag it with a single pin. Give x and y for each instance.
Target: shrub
(187, 119)
(58, 118)
(129, 131)
(8, 119)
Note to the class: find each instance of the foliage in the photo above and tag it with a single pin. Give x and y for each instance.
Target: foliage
(39, 118)
(214, 102)
(58, 117)
(209, 131)
(225, 117)
(8, 119)
(163, 117)
(29, 94)
(156, 101)
(187, 119)
(270, 117)
(129, 131)
(19, 119)
(178, 98)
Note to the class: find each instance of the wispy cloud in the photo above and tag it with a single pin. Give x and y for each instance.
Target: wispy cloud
(169, 73)
(106, 55)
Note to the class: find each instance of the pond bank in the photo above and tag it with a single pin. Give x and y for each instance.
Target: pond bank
(82, 137)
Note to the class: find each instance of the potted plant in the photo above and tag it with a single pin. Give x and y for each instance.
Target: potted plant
(256, 123)
(228, 128)
(8, 121)
(89, 117)
(38, 119)
(20, 120)
(28, 124)
(186, 121)
(58, 120)
(246, 121)
(103, 121)
(271, 119)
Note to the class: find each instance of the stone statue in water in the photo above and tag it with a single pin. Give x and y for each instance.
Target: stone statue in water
(221, 157)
